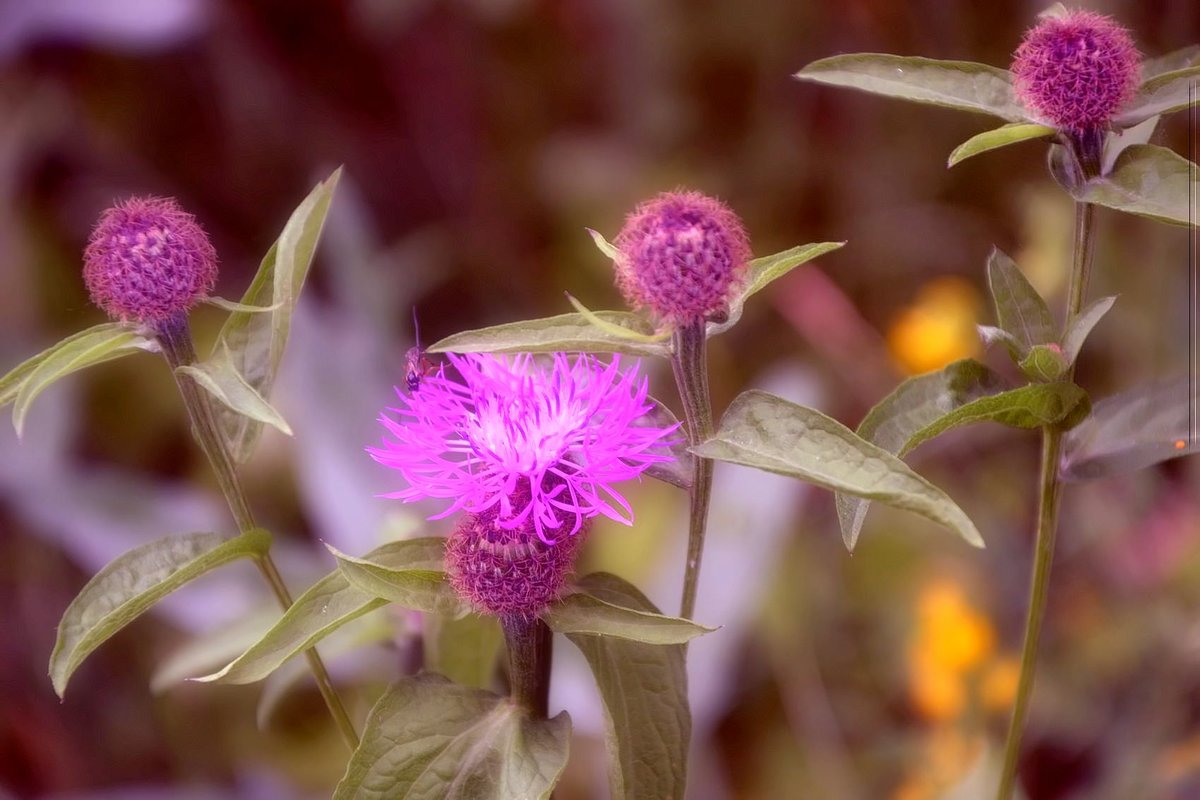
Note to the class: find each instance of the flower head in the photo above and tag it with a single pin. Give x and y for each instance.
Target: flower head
(148, 260)
(682, 255)
(539, 443)
(508, 571)
(1076, 70)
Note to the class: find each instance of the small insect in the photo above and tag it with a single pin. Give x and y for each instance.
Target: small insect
(416, 365)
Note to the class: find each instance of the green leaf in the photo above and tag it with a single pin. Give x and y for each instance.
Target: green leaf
(219, 377)
(1132, 430)
(963, 85)
(255, 341)
(420, 586)
(914, 404)
(132, 583)
(1081, 326)
(1149, 181)
(1178, 59)
(429, 739)
(22, 385)
(989, 335)
(767, 432)
(644, 691)
(213, 649)
(999, 137)
(565, 333)
(1162, 94)
(679, 470)
(1117, 141)
(619, 331)
(230, 305)
(464, 650)
(760, 272)
(1020, 310)
(579, 612)
(1044, 363)
(1032, 406)
(603, 245)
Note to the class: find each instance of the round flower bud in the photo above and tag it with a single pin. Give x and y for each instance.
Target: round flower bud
(1076, 70)
(508, 571)
(682, 255)
(148, 260)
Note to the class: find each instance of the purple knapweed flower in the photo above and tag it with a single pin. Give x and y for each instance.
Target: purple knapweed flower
(508, 571)
(682, 255)
(148, 260)
(541, 443)
(1076, 70)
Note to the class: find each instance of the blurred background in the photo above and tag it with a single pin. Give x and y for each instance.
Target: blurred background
(480, 138)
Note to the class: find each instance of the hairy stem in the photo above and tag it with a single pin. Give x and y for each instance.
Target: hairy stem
(176, 341)
(530, 648)
(1050, 493)
(690, 365)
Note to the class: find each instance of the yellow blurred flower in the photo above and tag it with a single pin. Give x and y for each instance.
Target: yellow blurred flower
(998, 686)
(938, 327)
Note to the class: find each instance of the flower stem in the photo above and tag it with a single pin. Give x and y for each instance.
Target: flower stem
(530, 648)
(1050, 494)
(690, 365)
(176, 341)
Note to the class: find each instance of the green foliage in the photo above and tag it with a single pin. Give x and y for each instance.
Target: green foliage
(105, 342)
(1149, 181)
(1182, 58)
(418, 584)
(1020, 310)
(569, 333)
(213, 649)
(582, 613)
(767, 432)
(679, 470)
(430, 739)
(760, 272)
(132, 583)
(220, 378)
(999, 137)
(465, 649)
(251, 344)
(1081, 327)
(963, 85)
(1044, 363)
(644, 690)
(1161, 94)
(1032, 406)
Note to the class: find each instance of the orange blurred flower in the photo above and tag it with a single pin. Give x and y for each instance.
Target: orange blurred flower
(938, 327)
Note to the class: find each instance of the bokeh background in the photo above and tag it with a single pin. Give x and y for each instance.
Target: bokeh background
(480, 138)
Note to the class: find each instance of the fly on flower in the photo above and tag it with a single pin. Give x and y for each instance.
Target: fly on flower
(540, 441)
(416, 365)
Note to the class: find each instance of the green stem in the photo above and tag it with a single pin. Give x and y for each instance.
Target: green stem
(690, 365)
(176, 341)
(1050, 494)
(530, 648)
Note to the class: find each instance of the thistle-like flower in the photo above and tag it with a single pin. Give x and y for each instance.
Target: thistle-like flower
(1076, 70)
(540, 443)
(148, 260)
(682, 255)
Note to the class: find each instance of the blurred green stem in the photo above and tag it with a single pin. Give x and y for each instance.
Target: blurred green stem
(1047, 520)
(176, 341)
(690, 365)
(529, 644)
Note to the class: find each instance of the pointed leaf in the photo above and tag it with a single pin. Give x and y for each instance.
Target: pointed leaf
(1081, 326)
(98, 344)
(989, 335)
(767, 432)
(415, 586)
(132, 583)
(999, 137)
(644, 690)
(1020, 310)
(1132, 430)
(219, 377)
(1162, 94)
(464, 650)
(255, 341)
(1117, 141)
(1182, 58)
(914, 404)
(762, 271)
(1149, 181)
(679, 470)
(619, 331)
(603, 245)
(579, 612)
(230, 305)
(429, 739)
(213, 649)
(565, 333)
(963, 85)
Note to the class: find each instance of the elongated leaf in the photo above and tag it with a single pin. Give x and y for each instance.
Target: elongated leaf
(767, 432)
(963, 85)
(566, 333)
(990, 334)
(1182, 58)
(1149, 181)
(914, 404)
(464, 650)
(603, 244)
(760, 272)
(132, 583)
(213, 649)
(255, 341)
(87, 348)
(1020, 310)
(579, 612)
(429, 739)
(1132, 430)
(1081, 326)
(1117, 141)
(219, 377)
(421, 589)
(679, 470)
(644, 690)
(999, 137)
(230, 305)
(619, 331)
(1162, 94)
